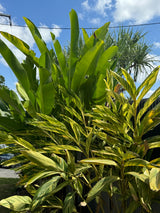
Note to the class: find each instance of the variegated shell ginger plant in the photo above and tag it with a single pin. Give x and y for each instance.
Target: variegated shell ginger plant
(123, 126)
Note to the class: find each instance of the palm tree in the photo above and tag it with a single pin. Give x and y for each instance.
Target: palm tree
(133, 52)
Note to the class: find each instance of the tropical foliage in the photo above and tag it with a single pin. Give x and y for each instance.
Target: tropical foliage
(134, 53)
(77, 142)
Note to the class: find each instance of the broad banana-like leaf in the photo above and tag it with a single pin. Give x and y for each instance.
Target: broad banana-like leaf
(100, 186)
(21, 45)
(62, 61)
(17, 203)
(86, 66)
(99, 94)
(45, 61)
(74, 43)
(42, 160)
(85, 35)
(36, 35)
(154, 179)
(69, 206)
(15, 65)
(101, 32)
(44, 191)
(46, 102)
(30, 68)
(102, 63)
(99, 161)
(146, 85)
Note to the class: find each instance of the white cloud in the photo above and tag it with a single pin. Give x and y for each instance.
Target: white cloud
(2, 9)
(95, 21)
(45, 32)
(24, 34)
(98, 6)
(139, 11)
(156, 44)
(81, 16)
(86, 5)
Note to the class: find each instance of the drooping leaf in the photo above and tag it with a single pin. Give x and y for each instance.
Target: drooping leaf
(69, 206)
(137, 162)
(97, 161)
(141, 177)
(15, 65)
(39, 176)
(45, 191)
(36, 35)
(21, 45)
(17, 203)
(41, 160)
(100, 186)
(154, 179)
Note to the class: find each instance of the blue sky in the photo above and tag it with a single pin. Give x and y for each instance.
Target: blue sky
(91, 13)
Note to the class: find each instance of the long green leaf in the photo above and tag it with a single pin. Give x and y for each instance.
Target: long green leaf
(69, 206)
(86, 66)
(17, 203)
(99, 161)
(44, 191)
(103, 60)
(137, 162)
(101, 32)
(154, 179)
(74, 43)
(148, 103)
(39, 176)
(129, 80)
(41, 160)
(100, 186)
(62, 61)
(36, 35)
(124, 83)
(15, 65)
(147, 84)
(141, 177)
(21, 45)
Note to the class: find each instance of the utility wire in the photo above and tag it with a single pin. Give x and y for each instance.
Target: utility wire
(86, 28)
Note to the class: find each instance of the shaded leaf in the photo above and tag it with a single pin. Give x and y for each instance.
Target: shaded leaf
(17, 203)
